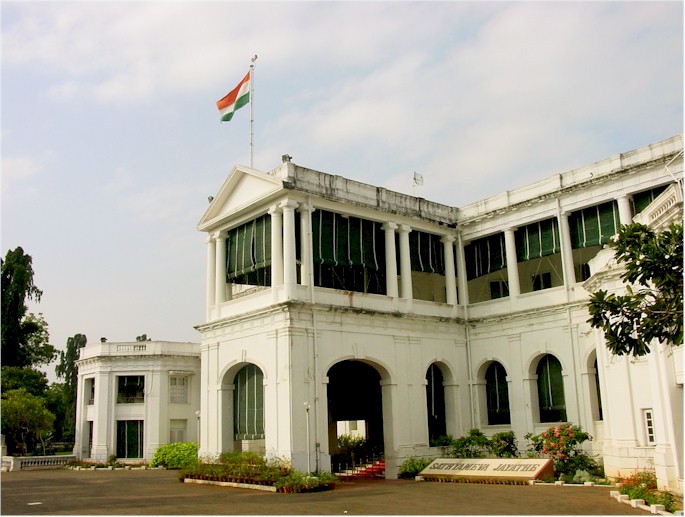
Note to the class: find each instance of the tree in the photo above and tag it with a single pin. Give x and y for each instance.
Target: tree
(24, 419)
(66, 369)
(652, 309)
(24, 336)
(143, 338)
(33, 381)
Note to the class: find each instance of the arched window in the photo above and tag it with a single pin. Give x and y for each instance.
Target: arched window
(599, 395)
(248, 403)
(435, 402)
(551, 390)
(497, 393)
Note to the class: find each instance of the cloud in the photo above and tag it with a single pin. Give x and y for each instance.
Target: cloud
(16, 170)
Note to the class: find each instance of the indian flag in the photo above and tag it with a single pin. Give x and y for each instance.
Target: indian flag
(236, 99)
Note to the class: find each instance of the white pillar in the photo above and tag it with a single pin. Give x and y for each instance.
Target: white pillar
(405, 264)
(461, 272)
(512, 263)
(276, 247)
(306, 257)
(289, 248)
(105, 398)
(566, 251)
(211, 273)
(220, 278)
(390, 259)
(625, 214)
(450, 276)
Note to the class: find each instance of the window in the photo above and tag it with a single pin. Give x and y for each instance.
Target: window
(178, 389)
(177, 431)
(542, 281)
(131, 389)
(648, 418)
(582, 272)
(435, 402)
(551, 390)
(498, 289)
(130, 439)
(90, 391)
(497, 393)
(248, 403)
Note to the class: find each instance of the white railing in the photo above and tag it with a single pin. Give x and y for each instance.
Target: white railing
(131, 348)
(10, 463)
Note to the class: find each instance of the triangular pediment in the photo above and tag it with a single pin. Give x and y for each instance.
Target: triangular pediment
(243, 188)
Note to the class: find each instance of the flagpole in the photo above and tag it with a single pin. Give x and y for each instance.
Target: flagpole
(252, 108)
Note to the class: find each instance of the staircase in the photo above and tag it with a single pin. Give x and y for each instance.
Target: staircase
(375, 470)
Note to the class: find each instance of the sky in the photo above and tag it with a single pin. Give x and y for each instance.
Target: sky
(111, 139)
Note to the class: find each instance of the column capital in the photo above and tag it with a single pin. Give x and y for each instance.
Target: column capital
(511, 229)
(389, 226)
(275, 210)
(448, 239)
(288, 203)
(219, 234)
(306, 207)
(405, 228)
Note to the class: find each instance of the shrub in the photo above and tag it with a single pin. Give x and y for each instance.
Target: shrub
(503, 445)
(473, 445)
(562, 443)
(175, 455)
(411, 467)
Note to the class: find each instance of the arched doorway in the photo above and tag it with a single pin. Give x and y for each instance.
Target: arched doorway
(248, 408)
(435, 403)
(354, 403)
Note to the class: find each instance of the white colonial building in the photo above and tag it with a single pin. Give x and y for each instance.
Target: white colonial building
(334, 304)
(331, 300)
(134, 397)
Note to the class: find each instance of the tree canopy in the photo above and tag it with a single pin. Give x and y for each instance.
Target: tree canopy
(652, 309)
(24, 419)
(24, 335)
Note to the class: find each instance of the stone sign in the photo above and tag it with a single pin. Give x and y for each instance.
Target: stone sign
(482, 469)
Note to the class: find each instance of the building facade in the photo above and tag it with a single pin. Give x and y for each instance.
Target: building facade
(134, 397)
(331, 301)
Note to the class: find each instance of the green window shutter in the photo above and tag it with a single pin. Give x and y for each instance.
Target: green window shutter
(342, 234)
(262, 242)
(549, 237)
(415, 251)
(641, 200)
(521, 239)
(608, 221)
(575, 224)
(591, 226)
(248, 403)
(323, 224)
(551, 390)
(369, 232)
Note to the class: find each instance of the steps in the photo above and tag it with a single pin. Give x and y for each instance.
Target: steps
(375, 470)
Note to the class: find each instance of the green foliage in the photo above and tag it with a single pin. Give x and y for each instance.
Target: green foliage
(24, 419)
(66, 369)
(653, 308)
(563, 444)
(442, 441)
(473, 445)
(175, 455)
(642, 485)
(33, 381)
(24, 336)
(411, 467)
(348, 442)
(504, 445)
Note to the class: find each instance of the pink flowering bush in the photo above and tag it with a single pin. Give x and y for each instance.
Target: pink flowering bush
(562, 443)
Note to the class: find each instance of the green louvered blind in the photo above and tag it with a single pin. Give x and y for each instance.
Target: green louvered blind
(248, 403)
(537, 240)
(485, 256)
(347, 241)
(551, 390)
(641, 200)
(425, 252)
(594, 225)
(248, 248)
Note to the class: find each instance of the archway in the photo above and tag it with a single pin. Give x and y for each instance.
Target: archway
(354, 395)
(435, 403)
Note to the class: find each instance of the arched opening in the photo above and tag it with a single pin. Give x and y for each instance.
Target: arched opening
(497, 393)
(354, 396)
(593, 387)
(248, 408)
(550, 382)
(435, 403)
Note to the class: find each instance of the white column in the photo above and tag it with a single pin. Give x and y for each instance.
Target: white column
(566, 251)
(512, 263)
(211, 273)
(405, 264)
(450, 276)
(306, 257)
(276, 247)
(625, 214)
(220, 268)
(390, 259)
(461, 272)
(289, 247)
(105, 397)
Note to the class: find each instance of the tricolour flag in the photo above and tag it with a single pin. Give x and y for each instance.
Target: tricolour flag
(236, 99)
(418, 178)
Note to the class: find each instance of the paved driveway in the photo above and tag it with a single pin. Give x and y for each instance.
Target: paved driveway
(158, 492)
